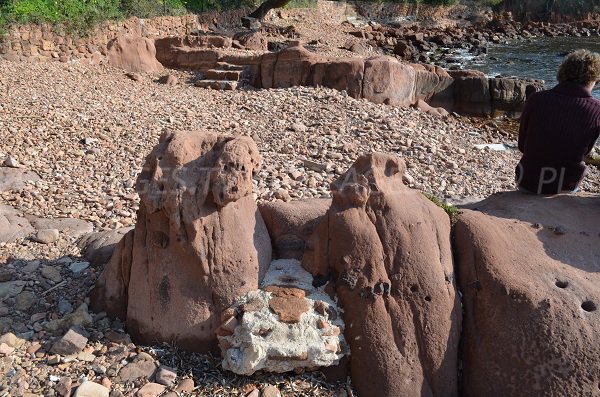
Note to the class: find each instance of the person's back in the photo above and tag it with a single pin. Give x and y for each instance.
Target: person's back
(559, 127)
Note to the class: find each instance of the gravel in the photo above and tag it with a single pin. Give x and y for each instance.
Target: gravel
(86, 131)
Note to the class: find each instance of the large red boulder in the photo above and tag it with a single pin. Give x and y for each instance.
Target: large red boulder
(386, 249)
(199, 241)
(133, 53)
(386, 80)
(529, 271)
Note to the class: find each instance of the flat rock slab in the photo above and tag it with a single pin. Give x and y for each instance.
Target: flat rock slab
(529, 270)
(13, 226)
(15, 178)
(67, 226)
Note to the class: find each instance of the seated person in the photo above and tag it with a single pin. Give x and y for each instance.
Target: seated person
(559, 127)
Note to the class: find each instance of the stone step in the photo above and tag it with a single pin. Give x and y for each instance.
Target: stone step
(230, 66)
(217, 74)
(225, 85)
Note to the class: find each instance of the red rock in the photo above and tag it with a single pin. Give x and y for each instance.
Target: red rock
(134, 54)
(530, 296)
(291, 224)
(200, 233)
(270, 391)
(390, 249)
(150, 390)
(185, 386)
(71, 343)
(289, 308)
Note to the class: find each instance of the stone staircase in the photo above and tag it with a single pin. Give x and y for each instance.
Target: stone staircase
(224, 76)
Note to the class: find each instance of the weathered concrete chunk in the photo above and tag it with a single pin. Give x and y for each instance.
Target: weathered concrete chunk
(285, 332)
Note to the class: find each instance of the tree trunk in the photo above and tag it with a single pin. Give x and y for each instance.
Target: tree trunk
(267, 6)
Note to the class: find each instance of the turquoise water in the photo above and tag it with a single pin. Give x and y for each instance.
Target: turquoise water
(536, 58)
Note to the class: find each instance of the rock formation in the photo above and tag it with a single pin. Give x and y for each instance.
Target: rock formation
(529, 273)
(199, 242)
(386, 249)
(291, 224)
(133, 53)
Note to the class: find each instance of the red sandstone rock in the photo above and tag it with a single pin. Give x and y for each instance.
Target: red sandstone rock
(389, 248)
(134, 54)
(530, 295)
(199, 241)
(291, 224)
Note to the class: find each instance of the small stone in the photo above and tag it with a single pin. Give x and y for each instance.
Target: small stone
(282, 194)
(166, 375)
(150, 390)
(11, 289)
(64, 307)
(138, 369)
(134, 76)
(53, 360)
(52, 273)
(46, 236)
(185, 386)
(91, 389)
(78, 267)
(71, 343)
(5, 349)
(25, 300)
(253, 393)
(11, 162)
(63, 387)
(299, 127)
(12, 340)
(271, 391)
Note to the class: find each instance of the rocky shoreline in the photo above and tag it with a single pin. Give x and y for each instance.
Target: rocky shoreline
(84, 132)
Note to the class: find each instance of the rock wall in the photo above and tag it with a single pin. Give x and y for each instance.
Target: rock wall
(47, 42)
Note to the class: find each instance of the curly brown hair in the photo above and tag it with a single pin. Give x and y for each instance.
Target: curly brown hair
(580, 66)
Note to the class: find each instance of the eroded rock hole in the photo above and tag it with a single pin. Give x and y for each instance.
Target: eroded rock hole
(391, 168)
(414, 288)
(589, 306)
(561, 284)
(428, 298)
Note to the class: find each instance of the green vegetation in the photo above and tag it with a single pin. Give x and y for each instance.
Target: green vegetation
(451, 210)
(78, 16)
